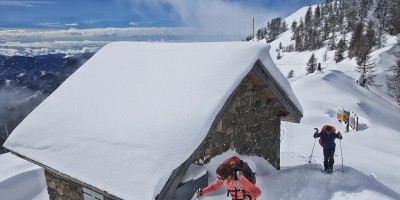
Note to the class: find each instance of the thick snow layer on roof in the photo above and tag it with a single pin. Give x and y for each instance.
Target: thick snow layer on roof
(20, 179)
(135, 111)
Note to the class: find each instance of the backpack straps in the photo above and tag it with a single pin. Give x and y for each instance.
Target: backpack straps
(238, 188)
(237, 185)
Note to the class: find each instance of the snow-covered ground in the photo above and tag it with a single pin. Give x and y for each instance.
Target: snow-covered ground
(370, 156)
(21, 180)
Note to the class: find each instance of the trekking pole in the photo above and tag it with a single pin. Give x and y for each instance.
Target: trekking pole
(316, 130)
(195, 197)
(341, 154)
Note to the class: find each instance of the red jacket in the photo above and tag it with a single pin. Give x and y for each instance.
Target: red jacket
(245, 184)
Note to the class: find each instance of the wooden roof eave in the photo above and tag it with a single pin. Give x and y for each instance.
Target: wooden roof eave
(290, 111)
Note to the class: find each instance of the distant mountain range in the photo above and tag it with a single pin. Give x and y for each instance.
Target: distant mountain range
(26, 81)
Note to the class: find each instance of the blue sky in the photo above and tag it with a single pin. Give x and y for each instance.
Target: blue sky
(61, 14)
(28, 21)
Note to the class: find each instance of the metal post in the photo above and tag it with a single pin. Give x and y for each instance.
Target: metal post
(253, 29)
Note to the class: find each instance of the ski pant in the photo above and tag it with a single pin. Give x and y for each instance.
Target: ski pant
(328, 157)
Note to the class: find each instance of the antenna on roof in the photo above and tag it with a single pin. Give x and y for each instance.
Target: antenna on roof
(253, 29)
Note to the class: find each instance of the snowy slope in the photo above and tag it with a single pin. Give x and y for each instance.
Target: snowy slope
(305, 181)
(371, 156)
(373, 150)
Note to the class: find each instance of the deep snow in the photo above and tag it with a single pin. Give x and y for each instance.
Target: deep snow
(371, 156)
(21, 180)
(134, 106)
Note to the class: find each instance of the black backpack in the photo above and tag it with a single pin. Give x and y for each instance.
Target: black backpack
(245, 169)
(240, 167)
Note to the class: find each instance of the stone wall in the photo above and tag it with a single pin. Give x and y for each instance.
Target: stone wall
(248, 125)
(62, 188)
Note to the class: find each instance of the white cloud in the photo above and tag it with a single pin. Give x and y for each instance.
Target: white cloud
(23, 3)
(139, 23)
(72, 24)
(53, 47)
(41, 42)
(50, 25)
(73, 33)
(211, 17)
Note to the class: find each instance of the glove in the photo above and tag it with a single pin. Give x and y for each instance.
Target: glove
(340, 135)
(316, 132)
(199, 192)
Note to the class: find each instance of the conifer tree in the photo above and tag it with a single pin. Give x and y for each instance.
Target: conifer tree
(311, 64)
(341, 48)
(283, 27)
(290, 74)
(381, 12)
(387, 12)
(367, 70)
(395, 17)
(380, 37)
(393, 81)
(325, 31)
(308, 18)
(325, 57)
(248, 38)
(299, 36)
(351, 8)
(259, 34)
(356, 41)
(279, 56)
(294, 25)
(332, 42)
(370, 37)
(317, 16)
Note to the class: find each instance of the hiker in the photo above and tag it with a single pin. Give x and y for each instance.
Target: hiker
(328, 135)
(244, 189)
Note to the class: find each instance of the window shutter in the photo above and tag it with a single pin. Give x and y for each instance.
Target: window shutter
(91, 195)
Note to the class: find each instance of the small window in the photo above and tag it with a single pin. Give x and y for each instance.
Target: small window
(91, 195)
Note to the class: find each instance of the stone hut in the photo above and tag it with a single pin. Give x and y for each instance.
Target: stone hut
(136, 106)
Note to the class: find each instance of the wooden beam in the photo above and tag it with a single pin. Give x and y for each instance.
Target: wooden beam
(269, 81)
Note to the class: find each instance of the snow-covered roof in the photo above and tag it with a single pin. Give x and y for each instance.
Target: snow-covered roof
(136, 111)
